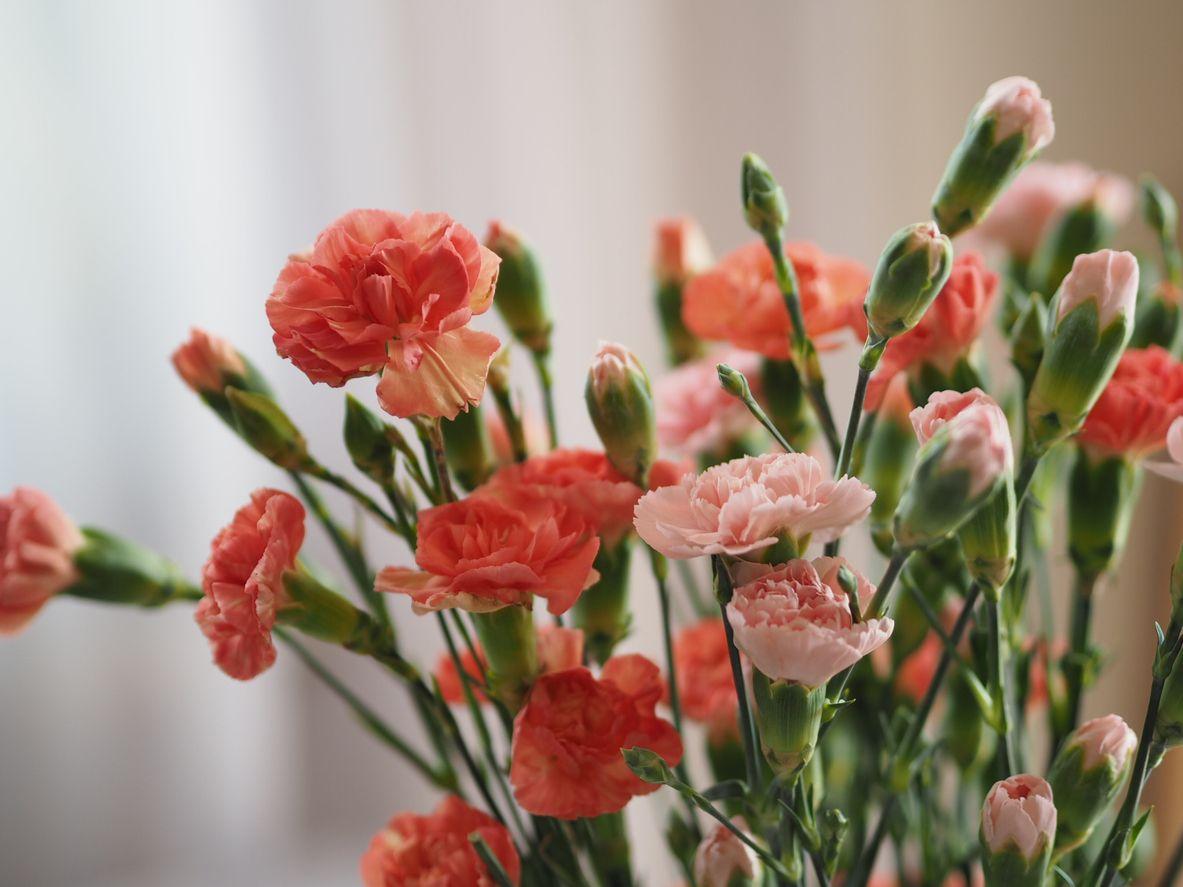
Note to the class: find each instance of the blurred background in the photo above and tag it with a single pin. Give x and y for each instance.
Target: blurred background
(160, 160)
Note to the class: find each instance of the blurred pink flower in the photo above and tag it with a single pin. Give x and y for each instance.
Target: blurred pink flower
(722, 859)
(37, 545)
(1105, 739)
(695, 416)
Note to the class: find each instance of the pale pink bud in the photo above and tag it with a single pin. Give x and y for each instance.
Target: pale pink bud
(1019, 814)
(680, 250)
(611, 366)
(1107, 738)
(795, 624)
(204, 362)
(979, 436)
(722, 856)
(1109, 277)
(1019, 106)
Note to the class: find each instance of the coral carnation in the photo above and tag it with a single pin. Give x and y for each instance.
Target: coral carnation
(1136, 409)
(566, 759)
(37, 545)
(243, 581)
(383, 292)
(481, 555)
(738, 301)
(205, 362)
(747, 504)
(705, 684)
(558, 648)
(434, 850)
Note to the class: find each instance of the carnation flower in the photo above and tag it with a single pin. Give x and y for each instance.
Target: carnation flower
(1135, 411)
(722, 859)
(705, 685)
(794, 622)
(738, 301)
(746, 505)
(567, 740)
(979, 436)
(680, 250)
(946, 331)
(205, 362)
(435, 850)
(695, 415)
(385, 293)
(243, 581)
(37, 545)
(481, 555)
(1019, 815)
(558, 648)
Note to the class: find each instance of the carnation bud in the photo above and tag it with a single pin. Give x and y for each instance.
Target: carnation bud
(1086, 775)
(1177, 584)
(621, 407)
(789, 718)
(367, 441)
(988, 540)
(680, 253)
(1018, 831)
(912, 269)
(723, 860)
(467, 447)
(1100, 506)
(119, 571)
(764, 204)
(1157, 317)
(521, 295)
(1007, 128)
(511, 651)
(956, 471)
(1092, 318)
(1159, 209)
(209, 365)
(886, 457)
(1083, 229)
(267, 428)
(648, 765)
(320, 612)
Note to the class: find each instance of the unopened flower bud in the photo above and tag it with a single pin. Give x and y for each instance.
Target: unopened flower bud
(1007, 128)
(648, 765)
(912, 269)
(320, 612)
(467, 447)
(1100, 506)
(723, 860)
(1093, 319)
(988, 540)
(1168, 730)
(209, 365)
(1089, 770)
(367, 441)
(886, 457)
(1157, 317)
(521, 295)
(620, 403)
(1017, 832)
(1159, 209)
(1083, 229)
(119, 571)
(764, 204)
(734, 382)
(267, 428)
(680, 253)
(789, 716)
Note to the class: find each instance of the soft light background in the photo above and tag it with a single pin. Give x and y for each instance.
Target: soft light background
(161, 159)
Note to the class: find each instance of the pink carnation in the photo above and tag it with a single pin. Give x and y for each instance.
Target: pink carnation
(747, 504)
(1106, 739)
(722, 859)
(37, 545)
(695, 415)
(794, 622)
(979, 437)
(1019, 814)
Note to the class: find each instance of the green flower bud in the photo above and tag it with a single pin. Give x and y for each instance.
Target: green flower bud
(1177, 584)
(970, 740)
(912, 269)
(267, 428)
(1028, 337)
(648, 766)
(367, 441)
(789, 716)
(620, 403)
(511, 650)
(988, 540)
(788, 407)
(209, 365)
(1089, 770)
(602, 611)
(764, 204)
(320, 612)
(1083, 229)
(521, 295)
(467, 447)
(1101, 495)
(1091, 322)
(119, 571)
(1159, 209)
(680, 253)
(1157, 317)
(1008, 127)
(886, 458)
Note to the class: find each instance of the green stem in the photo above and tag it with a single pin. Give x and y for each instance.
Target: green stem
(747, 726)
(492, 863)
(546, 383)
(346, 486)
(852, 426)
(512, 422)
(998, 685)
(435, 438)
(1078, 651)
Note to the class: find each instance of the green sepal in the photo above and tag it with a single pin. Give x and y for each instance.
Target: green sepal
(1102, 491)
(318, 611)
(511, 651)
(118, 571)
(976, 174)
(266, 427)
(789, 717)
(602, 611)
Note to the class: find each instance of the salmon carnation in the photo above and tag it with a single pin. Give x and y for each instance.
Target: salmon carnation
(680, 250)
(37, 545)
(794, 622)
(746, 505)
(558, 648)
(243, 582)
(695, 415)
(206, 363)
(979, 440)
(705, 684)
(434, 850)
(1019, 815)
(385, 293)
(567, 740)
(481, 555)
(738, 301)
(947, 330)
(1136, 409)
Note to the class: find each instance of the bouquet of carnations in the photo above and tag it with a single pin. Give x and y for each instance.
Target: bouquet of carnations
(838, 712)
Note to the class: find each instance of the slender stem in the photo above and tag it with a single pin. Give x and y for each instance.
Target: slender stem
(435, 437)
(1026, 473)
(492, 863)
(403, 510)
(1174, 867)
(998, 691)
(747, 726)
(365, 501)
(545, 382)
(906, 748)
(444, 780)
(512, 422)
(852, 424)
(1078, 650)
